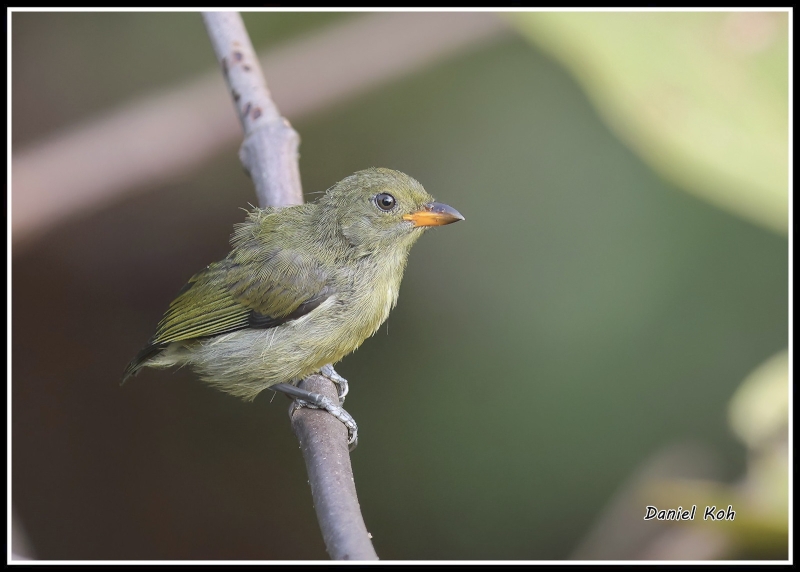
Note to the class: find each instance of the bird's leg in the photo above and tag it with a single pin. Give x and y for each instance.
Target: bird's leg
(341, 383)
(303, 398)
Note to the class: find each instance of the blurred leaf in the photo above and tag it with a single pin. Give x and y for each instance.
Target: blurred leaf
(760, 407)
(701, 96)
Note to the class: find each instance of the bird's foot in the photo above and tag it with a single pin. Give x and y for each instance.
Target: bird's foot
(336, 411)
(341, 383)
(311, 400)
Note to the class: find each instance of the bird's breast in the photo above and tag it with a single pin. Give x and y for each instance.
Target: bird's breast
(372, 292)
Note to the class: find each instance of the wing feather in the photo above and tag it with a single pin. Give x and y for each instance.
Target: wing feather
(257, 286)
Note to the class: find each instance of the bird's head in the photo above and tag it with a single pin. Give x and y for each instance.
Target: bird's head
(382, 207)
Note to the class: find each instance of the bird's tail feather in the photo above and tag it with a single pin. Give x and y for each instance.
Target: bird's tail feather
(141, 359)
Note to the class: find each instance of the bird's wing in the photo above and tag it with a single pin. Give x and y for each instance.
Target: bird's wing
(240, 292)
(252, 288)
(266, 280)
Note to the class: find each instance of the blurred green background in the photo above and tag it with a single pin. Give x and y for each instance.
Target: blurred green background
(588, 313)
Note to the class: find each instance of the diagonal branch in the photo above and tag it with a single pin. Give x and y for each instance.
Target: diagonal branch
(269, 153)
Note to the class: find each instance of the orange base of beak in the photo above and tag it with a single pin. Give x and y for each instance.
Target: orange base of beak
(434, 214)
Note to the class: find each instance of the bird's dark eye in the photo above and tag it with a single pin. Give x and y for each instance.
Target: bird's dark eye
(385, 201)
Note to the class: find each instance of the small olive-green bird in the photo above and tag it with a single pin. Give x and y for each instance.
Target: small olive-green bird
(302, 287)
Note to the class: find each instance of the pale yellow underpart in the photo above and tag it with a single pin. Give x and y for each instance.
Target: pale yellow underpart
(246, 362)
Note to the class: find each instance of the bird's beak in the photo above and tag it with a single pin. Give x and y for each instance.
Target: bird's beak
(434, 214)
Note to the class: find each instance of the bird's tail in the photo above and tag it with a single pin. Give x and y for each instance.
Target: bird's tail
(141, 359)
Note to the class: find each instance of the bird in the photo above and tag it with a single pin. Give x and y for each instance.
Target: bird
(302, 287)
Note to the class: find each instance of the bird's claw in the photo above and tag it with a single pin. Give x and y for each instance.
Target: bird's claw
(341, 383)
(323, 402)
